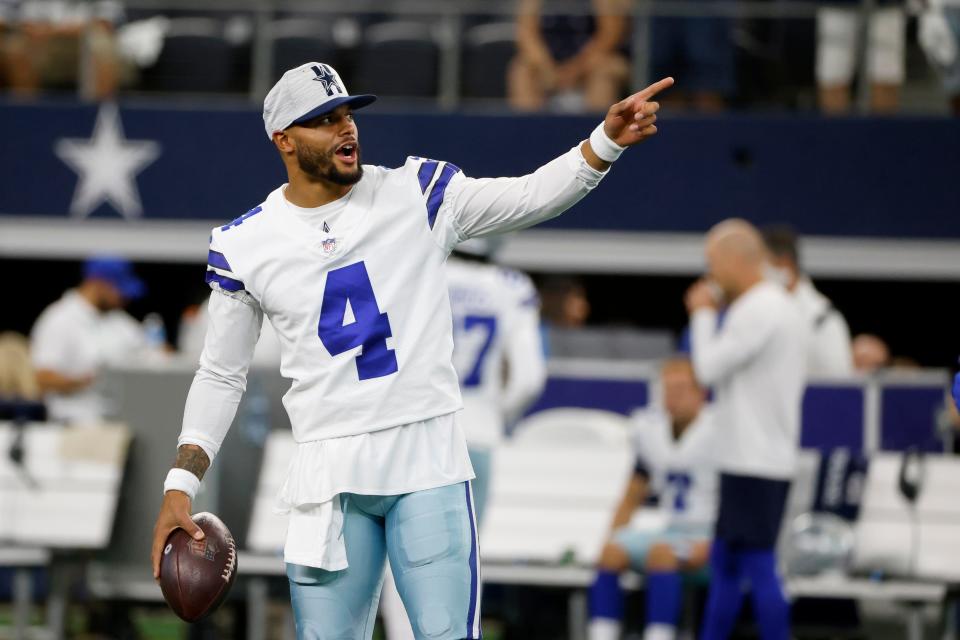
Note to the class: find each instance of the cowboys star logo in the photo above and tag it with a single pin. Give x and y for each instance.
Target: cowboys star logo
(327, 78)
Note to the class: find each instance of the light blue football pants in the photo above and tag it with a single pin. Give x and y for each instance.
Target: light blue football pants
(431, 539)
(482, 461)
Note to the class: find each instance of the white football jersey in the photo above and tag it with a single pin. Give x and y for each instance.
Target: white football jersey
(360, 309)
(356, 291)
(497, 351)
(681, 472)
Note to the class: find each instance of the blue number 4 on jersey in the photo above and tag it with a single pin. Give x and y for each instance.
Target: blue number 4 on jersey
(370, 328)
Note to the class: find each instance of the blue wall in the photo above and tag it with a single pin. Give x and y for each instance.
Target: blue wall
(874, 177)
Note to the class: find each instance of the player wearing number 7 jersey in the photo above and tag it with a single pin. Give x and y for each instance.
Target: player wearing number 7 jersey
(346, 262)
(675, 443)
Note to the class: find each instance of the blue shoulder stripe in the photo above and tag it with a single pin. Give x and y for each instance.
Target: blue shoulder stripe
(240, 220)
(218, 260)
(425, 174)
(227, 284)
(439, 188)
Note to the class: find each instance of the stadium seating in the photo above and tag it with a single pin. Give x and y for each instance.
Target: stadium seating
(398, 59)
(487, 51)
(58, 492)
(298, 40)
(555, 486)
(905, 541)
(196, 57)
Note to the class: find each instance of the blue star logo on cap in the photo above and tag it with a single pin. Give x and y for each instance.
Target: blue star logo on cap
(327, 79)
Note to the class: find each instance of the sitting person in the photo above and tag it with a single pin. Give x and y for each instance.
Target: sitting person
(576, 62)
(674, 460)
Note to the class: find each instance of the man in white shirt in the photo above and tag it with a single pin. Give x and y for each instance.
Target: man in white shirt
(675, 447)
(72, 339)
(347, 263)
(754, 361)
(830, 353)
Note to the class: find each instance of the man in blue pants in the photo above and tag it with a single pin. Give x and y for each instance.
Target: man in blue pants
(754, 360)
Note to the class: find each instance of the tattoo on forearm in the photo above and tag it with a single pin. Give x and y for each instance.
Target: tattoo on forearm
(193, 459)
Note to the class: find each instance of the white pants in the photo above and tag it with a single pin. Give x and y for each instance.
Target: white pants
(838, 36)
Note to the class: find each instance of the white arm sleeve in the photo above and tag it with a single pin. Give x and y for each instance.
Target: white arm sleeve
(232, 332)
(717, 354)
(475, 207)
(526, 368)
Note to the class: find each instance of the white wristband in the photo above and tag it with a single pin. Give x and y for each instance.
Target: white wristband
(605, 148)
(182, 480)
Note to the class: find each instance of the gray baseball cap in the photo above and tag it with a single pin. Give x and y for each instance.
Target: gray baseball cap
(306, 92)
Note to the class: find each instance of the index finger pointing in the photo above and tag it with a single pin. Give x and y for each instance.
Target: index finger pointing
(654, 89)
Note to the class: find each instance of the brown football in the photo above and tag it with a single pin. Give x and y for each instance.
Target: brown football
(196, 575)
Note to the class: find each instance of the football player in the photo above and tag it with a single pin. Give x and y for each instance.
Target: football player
(347, 263)
(675, 449)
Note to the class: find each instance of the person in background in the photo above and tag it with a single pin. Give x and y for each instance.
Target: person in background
(72, 339)
(501, 367)
(754, 361)
(701, 48)
(58, 44)
(565, 302)
(675, 460)
(565, 309)
(939, 35)
(7, 13)
(17, 380)
(830, 352)
(838, 34)
(955, 391)
(569, 56)
(870, 353)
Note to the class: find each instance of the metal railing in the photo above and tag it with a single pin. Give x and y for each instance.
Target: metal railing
(448, 18)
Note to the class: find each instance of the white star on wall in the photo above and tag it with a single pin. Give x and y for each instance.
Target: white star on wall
(107, 166)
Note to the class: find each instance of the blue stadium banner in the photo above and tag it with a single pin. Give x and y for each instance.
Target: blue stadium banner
(893, 178)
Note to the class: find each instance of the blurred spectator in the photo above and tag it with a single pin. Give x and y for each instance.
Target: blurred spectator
(6, 18)
(76, 335)
(564, 310)
(564, 301)
(698, 50)
(755, 363)
(939, 34)
(17, 380)
(830, 352)
(572, 58)
(675, 460)
(57, 44)
(839, 29)
(870, 353)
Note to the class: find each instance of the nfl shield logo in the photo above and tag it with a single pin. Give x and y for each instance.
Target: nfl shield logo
(329, 245)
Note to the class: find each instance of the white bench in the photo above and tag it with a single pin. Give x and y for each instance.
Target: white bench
(62, 497)
(920, 542)
(914, 576)
(555, 486)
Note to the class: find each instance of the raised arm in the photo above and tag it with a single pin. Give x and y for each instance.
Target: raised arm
(235, 321)
(485, 206)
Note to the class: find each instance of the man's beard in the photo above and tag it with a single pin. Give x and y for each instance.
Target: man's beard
(321, 166)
